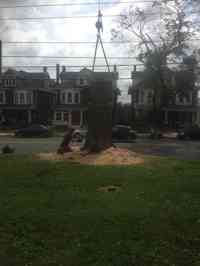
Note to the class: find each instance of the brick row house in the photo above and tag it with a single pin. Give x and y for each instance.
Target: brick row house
(27, 98)
(71, 103)
(180, 109)
(72, 94)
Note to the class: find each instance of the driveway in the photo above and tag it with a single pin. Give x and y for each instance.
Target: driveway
(189, 150)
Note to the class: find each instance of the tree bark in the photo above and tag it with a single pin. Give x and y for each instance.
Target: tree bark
(100, 110)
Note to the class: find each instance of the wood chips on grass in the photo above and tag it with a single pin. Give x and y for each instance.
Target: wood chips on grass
(111, 156)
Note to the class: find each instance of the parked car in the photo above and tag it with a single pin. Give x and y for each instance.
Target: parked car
(155, 134)
(33, 131)
(121, 132)
(192, 133)
(79, 134)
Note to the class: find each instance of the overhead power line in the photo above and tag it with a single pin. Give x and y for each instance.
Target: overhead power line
(87, 66)
(75, 17)
(65, 57)
(54, 18)
(76, 42)
(63, 42)
(74, 4)
(69, 66)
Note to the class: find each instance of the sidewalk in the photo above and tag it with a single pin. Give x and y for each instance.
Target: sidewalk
(7, 134)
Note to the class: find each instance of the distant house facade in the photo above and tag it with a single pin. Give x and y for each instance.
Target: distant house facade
(72, 94)
(25, 98)
(71, 105)
(180, 109)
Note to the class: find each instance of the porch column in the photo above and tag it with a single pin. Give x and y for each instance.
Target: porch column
(198, 118)
(194, 117)
(29, 117)
(70, 118)
(166, 117)
(81, 118)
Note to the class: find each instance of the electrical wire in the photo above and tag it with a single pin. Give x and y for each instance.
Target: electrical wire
(74, 17)
(65, 57)
(75, 4)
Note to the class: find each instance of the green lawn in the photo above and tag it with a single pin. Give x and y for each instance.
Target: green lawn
(54, 214)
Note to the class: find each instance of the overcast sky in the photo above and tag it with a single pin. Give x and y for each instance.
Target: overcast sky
(63, 30)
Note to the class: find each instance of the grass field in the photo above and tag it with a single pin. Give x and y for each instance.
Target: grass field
(58, 214)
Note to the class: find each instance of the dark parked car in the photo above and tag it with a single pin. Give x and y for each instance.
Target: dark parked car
(121, 132)
(192, 133)
(33, 131)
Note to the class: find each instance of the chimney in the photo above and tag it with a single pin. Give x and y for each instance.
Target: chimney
(63, 69)
(57, 73)
(45, 69)
(133, 73)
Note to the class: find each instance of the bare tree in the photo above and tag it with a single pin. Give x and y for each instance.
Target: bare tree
(162, 31)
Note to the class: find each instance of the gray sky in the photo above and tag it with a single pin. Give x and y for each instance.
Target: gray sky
(61, 30)
(65, 30)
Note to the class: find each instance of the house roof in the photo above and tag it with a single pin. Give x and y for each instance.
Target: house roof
(88, 74)
(26, 75)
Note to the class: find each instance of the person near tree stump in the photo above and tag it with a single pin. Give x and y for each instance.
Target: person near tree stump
(65, 144)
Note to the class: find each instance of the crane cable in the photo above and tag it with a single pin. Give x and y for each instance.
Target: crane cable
(99, 27)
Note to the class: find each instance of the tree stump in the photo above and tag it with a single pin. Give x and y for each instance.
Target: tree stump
(99, 117)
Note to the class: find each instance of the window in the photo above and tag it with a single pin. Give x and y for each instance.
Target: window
(1, 97)
(63, 97)
(188, 98)
(6, 83)
(180, 97)
(81, 81)
(16, 98)
(136, 96)
(12, 82)
(9, 82)
(142, 97)
(22, 98)
(66, 116)
(58, 116)
(69, 97)
(149, 98)
(29, 98)
(76, 97)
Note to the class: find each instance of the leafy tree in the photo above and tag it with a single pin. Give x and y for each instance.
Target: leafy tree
(163, 36)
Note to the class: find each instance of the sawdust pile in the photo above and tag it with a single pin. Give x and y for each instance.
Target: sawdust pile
(111, 156)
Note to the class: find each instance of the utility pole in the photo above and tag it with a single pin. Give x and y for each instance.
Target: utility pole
(0, 59)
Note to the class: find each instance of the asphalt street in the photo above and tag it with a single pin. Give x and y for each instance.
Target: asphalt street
(180, 149)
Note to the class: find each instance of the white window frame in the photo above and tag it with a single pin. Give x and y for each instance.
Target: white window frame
(17, 99)
(31, 98)
(73, 95)
(10, 82)
(61, 117)
(63, 101)
(3, 97)
(77, 93)
(185, 102)
(84, 83)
